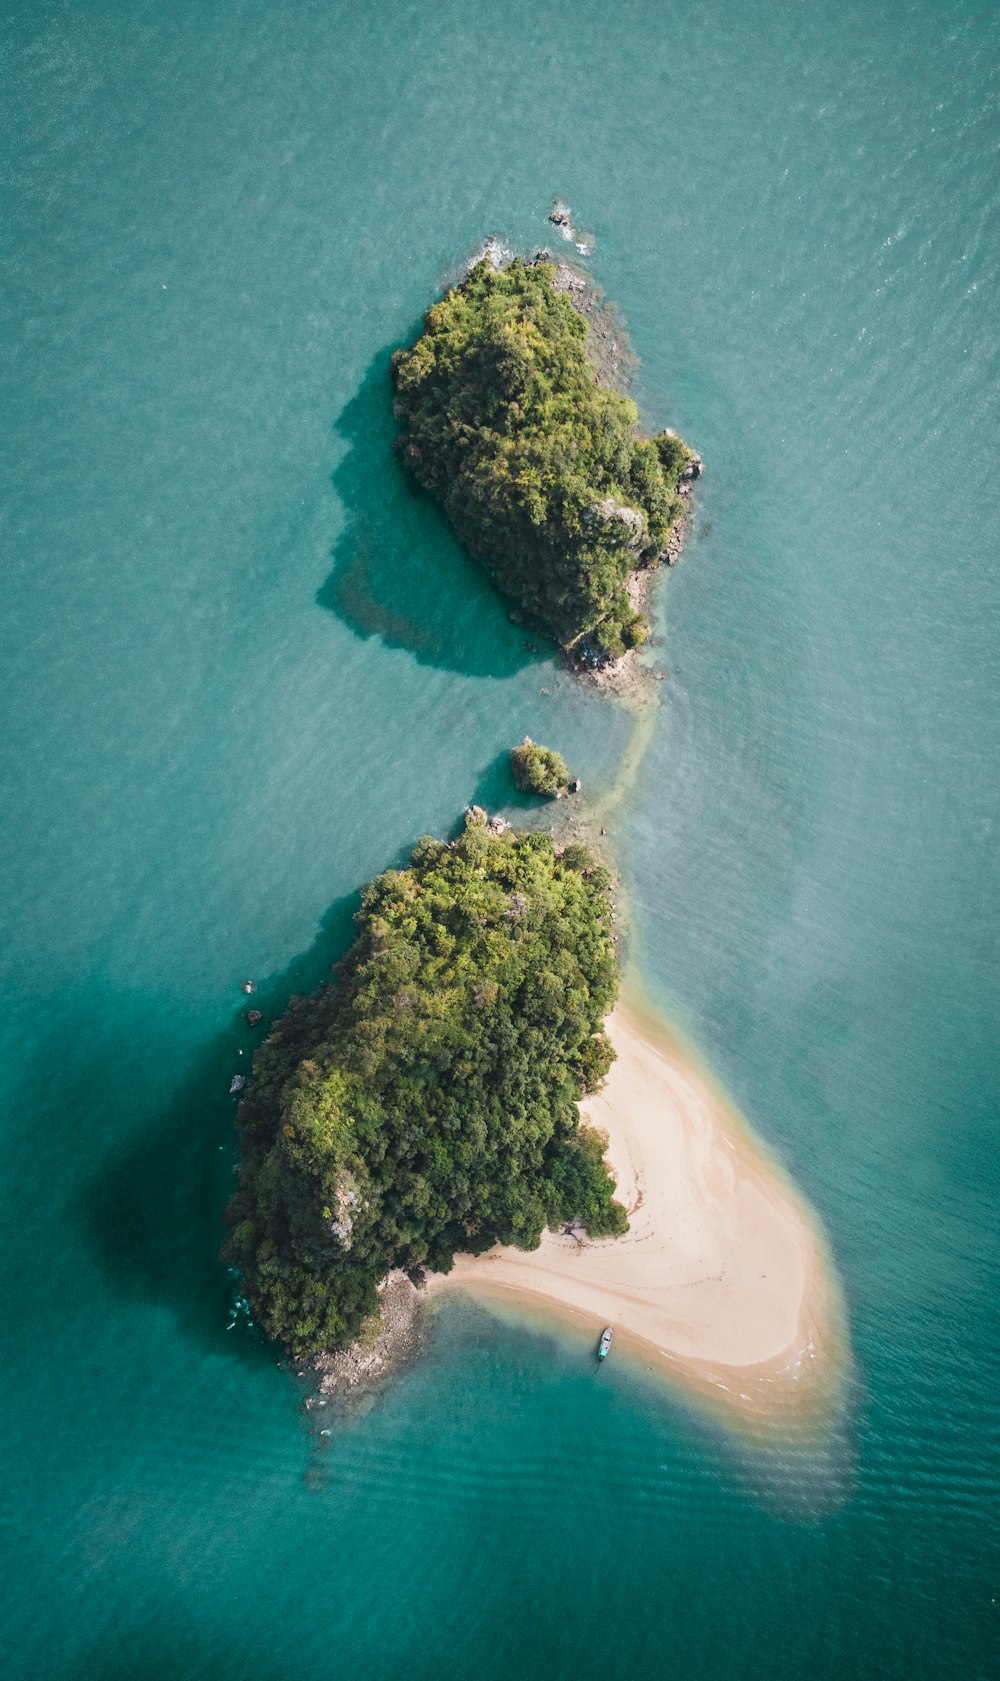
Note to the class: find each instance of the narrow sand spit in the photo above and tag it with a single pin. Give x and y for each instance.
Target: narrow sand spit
(722, 1280)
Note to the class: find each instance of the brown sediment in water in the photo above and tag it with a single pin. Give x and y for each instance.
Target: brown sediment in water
(723, 1283)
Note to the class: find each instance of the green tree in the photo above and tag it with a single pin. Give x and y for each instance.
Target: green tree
(538, 770)
(541, 470)
(426, 1101)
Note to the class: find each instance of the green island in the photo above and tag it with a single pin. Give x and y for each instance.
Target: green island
(539, 770)
(425, 1103)
(541, 469)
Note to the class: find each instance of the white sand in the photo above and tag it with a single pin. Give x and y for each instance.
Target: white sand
(722, 1278)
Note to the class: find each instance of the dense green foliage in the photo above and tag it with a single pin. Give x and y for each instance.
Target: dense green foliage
(538, 770)
(425, 1103)
(541, 471)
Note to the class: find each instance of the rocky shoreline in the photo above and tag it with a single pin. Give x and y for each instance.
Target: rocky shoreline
(615, 363)
(607, 336)
(394, 1338)
(625, 674)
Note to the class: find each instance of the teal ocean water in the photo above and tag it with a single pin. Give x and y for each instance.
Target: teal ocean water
(244, 668)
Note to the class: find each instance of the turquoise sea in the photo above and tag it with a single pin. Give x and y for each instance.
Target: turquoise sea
(244, 668)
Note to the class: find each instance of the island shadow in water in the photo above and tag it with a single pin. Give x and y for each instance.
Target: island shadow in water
(152, 1212)
(399, 571)
(497, 789)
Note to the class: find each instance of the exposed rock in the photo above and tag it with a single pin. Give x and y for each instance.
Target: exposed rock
(253, 1017)
(562, 218)
(631, 518)
(675, 542)
(346, 1199)
(576, 786)
(607, 339)
(390, 1338)
(248, 986)
(237, 1083)
(567, 279)
(495, 252)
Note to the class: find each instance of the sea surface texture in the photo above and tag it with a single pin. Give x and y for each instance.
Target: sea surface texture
(245, 667)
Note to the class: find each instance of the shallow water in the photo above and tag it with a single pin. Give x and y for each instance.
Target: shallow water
(245, 668)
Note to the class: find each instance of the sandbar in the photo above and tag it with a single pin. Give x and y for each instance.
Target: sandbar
(723, 1281)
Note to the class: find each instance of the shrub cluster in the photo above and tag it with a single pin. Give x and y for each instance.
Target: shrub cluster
(426, 1102)
(541, 471)
(538, 770)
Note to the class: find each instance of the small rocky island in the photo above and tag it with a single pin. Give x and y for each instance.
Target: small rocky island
(425, 1103)
(540, 770)
(540, 467)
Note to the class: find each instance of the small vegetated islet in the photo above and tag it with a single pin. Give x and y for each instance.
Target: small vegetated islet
(425, 1103)
(539, 770)
(542, 472)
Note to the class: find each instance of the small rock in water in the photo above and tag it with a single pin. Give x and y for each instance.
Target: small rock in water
(237, 1082)
(253, 1017)
(248, 986)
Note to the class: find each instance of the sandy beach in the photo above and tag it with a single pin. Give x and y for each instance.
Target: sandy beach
(722, 1281)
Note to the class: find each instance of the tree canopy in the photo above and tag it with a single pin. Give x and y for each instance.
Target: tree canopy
(541, 470)
(539, 770)
(426, 1101)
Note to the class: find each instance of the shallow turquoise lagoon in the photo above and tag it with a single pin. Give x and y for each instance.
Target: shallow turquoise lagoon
(245, 668)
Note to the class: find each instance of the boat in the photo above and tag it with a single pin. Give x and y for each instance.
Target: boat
(605, 1343)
